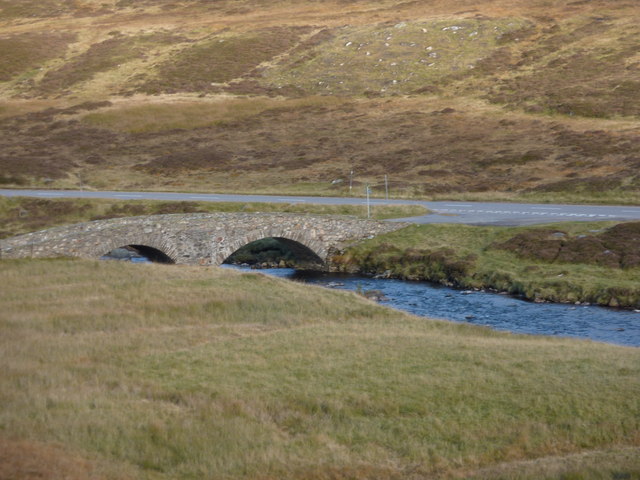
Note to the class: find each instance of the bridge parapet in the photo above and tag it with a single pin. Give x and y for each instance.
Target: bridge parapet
(196, 238)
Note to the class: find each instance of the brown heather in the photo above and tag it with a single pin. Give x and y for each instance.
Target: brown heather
(498, 99)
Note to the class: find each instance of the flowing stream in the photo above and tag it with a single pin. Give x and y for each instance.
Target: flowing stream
(501, 312)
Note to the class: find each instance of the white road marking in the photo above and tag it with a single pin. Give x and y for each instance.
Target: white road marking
(509, 212)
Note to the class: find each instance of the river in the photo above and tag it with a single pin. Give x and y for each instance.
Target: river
(501, 312)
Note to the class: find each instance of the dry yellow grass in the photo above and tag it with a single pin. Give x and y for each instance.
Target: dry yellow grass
(164, 372)
(144, 115)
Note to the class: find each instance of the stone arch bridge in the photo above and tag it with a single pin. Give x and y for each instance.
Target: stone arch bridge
(196, 238)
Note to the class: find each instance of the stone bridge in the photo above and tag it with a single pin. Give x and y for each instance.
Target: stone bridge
(196, 238)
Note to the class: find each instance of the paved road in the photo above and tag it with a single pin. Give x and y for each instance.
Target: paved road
(472, 213)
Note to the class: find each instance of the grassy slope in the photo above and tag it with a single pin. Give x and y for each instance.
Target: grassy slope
(490, 99)
(471, 257)
(229, 375)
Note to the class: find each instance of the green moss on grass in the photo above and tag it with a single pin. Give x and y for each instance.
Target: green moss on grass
(577, 265)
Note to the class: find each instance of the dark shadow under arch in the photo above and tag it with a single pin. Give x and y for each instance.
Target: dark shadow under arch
(141, 252)
(274, 251)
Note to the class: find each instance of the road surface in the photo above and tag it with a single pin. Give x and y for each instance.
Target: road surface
(471, 213)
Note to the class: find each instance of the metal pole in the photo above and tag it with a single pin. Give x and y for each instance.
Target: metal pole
(350, 181)
(386, 187)
(368, 205)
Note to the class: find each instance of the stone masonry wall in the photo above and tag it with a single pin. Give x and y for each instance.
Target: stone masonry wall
(197, 238)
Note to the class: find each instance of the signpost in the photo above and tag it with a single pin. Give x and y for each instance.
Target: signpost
(368, 189)
(386, 187)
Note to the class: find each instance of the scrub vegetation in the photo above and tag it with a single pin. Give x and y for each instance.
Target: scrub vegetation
(209, 373)
(579, 262)
(497, 100)
(219, 60)
(427, 148)
(102, 57)
(23, 54)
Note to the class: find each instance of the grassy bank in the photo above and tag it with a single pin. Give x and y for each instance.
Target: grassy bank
(22, 215)
(230, 375)
(579, 262)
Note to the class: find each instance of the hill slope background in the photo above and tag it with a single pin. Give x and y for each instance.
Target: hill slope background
(460, 99)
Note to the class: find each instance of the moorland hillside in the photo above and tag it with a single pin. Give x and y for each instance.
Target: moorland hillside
(464, 98)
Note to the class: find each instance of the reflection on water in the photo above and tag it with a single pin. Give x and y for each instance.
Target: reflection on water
(501, 312)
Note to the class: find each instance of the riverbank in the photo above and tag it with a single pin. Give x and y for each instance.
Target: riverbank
(501, 312)
(151, 371)
(593, 263)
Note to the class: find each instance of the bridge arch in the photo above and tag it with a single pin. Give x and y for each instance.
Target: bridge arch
(297, 242)
(153, 247)
(277, 249)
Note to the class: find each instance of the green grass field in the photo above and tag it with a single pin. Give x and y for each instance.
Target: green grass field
(111, 370)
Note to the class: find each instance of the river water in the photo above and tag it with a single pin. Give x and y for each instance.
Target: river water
(501, 312)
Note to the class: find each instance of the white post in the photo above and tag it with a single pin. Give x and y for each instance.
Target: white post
(368, 205)
(386, 187)
(350, 181)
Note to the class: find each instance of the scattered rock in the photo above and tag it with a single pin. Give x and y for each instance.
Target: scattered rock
(385, 274)
(375, 295)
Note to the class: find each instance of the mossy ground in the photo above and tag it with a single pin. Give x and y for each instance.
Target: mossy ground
(519, 260)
